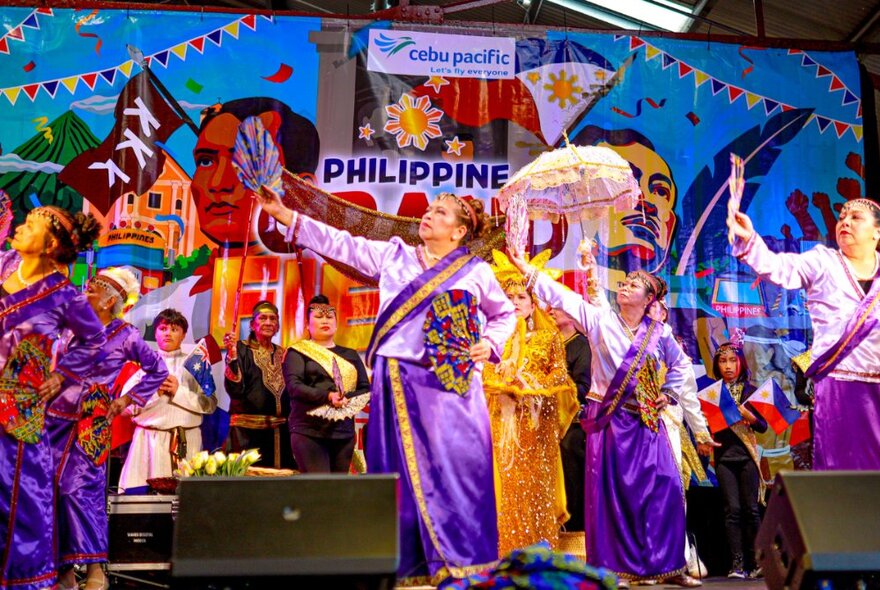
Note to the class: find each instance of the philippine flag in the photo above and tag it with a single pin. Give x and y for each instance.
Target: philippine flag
(718, 406)
(771, 402)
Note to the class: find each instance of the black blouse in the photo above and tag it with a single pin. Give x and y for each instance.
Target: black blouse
(308, 385)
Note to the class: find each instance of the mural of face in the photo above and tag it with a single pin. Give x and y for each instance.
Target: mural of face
(645, 232)
(222, 202)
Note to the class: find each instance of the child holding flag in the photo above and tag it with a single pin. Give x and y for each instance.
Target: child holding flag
(737, 464)
(167, 427)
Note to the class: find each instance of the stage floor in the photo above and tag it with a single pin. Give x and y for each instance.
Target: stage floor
(711, 583)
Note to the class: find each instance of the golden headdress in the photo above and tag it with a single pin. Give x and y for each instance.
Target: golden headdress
(511, 280)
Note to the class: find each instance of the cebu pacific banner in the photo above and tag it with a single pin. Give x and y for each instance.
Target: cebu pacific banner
(131, 115)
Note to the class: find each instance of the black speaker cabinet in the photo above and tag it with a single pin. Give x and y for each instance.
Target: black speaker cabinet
(822, 531)
(335, 531)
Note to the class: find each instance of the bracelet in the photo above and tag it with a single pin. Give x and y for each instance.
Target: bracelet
(703, 437)
(531, 279)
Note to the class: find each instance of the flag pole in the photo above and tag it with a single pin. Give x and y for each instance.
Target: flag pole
(137, 57)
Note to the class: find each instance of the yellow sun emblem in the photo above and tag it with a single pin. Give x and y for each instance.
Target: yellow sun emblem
(563, 89)
(413, 121)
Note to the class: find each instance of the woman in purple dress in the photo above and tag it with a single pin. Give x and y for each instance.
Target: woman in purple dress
(428, 418)
(37, 303)
(843, 298)
(634, 500)
(78, 424)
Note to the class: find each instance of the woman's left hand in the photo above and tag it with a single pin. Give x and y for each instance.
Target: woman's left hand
(117, 406)
(705, 448)
(661, 402)
(481, 351)
(50, 387)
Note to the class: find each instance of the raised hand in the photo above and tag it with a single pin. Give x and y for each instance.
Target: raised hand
(230, 344)
(740, 226)
(270, 202)
(587, 260)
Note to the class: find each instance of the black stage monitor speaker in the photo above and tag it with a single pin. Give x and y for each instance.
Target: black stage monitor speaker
(822, 530)
(271, 530)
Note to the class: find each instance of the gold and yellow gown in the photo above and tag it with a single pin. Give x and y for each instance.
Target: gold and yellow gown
(532, 402)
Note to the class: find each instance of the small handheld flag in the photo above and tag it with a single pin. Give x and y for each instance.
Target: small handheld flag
(198, 364)
(719, 407)
(770, 401)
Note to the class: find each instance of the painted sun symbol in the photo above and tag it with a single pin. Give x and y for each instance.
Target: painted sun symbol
(413, 121)
(563, 89)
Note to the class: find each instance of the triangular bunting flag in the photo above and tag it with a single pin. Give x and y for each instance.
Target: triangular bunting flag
(822, 71)
(733, 93)
(198, 44)
(806, 60)
(822, 123)
(268, 17)
(125, 68)
(668, 60)
(89, 79)
(770, 105)
(180, 51)
(836, 84)
(700, 77)
(786, 107)
(232, 29)
(752, 99)
(857, 131)
(250, 21)
(31, 21)
(717, 86)
(684, 69)
(840, 128)
(619, 37)
(11, 94)
(51, 87)
(635, 42)
(215, 36)
(849, 98)
(651, 52)
(148, 61)
(16, 34)
(109, 75)
(47, 11)
(794, 51)
(31, 90)
(70, 83)
(162, 58)
(859, 113)
(4, 46)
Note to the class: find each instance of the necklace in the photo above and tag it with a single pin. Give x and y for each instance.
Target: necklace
(26, 283)
(429, 256)
(629, 330)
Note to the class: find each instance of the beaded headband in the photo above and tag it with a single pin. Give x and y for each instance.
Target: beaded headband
(108, 284)
(264, 307)
(466, 207)
(58, 218)
(322, 307)
(650, 283)
(866, 204)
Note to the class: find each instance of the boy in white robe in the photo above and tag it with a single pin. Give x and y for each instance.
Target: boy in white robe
(167, 428)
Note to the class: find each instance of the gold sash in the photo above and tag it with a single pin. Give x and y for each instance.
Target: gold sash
(324, 357)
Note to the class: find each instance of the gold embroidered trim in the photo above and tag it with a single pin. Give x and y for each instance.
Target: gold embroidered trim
(409, 452)
(634, 366)
(324, 357)
(443, 573)
(419, 296)
(270, 364)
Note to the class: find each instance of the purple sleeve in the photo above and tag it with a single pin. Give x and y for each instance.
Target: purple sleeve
(787, 270)
(151, 363)
(557, 295)
(367, 256)
(79, 317)
(500, 316)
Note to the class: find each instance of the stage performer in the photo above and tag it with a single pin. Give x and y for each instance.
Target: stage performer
(532, 401)
(167, 427)
(322, 445)
(737, 464)
(627, 450)
(80, 435)
(843, 293)
(37, 302)
(255, 383)
(431, 426)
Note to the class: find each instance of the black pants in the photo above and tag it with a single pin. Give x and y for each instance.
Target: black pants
(739, 486)
(321, 455)
(573, 449)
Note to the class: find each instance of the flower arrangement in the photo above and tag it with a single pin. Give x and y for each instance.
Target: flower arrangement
(204, 464)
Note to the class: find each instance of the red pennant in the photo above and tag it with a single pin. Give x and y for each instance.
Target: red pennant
(840, 128)
(836, 84)
(89, 79)
(795, 51)
(45, 11)
(733, 93)
(198, 44)
(822, 71)
(250, 21)
(16, 34)
(635, 43)
(4, 46)
(31, 90)
(786, 107)
(684, 69)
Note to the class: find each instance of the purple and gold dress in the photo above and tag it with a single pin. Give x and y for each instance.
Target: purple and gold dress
(31, 320)
(80, 440)
(845, 366)
(434, 433)
(633, 497)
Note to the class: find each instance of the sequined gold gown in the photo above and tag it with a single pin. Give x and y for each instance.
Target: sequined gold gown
(532, 401)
